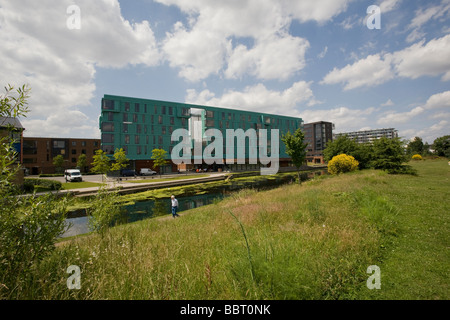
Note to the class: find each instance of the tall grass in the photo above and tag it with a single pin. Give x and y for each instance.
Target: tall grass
(313, 241)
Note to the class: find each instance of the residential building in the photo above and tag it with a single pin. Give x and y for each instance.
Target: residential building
(317, 135)
(370, 135)
(38, 153)
(141, 125)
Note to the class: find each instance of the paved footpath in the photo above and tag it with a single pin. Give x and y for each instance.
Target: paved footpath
(125, 186)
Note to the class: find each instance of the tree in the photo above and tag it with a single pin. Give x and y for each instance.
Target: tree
(159, 159)
(415, 146)
(29, 226)
(58, 162)
(296, 148)
(342, 145)
(441, 146)
(121, 160)
(82, 162)
(388, 154)
(101, 163)
(363, 152)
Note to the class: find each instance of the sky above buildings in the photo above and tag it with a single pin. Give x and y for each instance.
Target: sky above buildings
(318, 60)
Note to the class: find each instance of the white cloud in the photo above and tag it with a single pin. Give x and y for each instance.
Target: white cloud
(388, 103)
(389, 5)
(423, 16)
(271, 58)
(258, 98)
(400, 117)
(420, 59)
(212, 41)
(323, 53)
(320, 11)
(370, 71)
(344, 118)
(436, 101)
(60, 64)
(428, 134)
(439, 100)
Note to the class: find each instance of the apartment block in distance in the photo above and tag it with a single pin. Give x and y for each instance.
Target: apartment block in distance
(38, 153)
(317, 135)
(141, 125)
(370, 135)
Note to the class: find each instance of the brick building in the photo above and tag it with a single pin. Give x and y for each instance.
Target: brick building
(38, 153)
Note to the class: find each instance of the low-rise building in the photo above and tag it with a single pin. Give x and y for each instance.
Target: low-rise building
(38, 153)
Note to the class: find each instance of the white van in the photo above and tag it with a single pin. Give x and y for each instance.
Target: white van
(73, 175)
(147, 172)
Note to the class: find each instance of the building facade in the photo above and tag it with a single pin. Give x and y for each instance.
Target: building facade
(317, 135)
(141, 125)
(370, 135)
(38, 153)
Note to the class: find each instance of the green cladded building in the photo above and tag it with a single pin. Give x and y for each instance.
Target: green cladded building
(141, 125)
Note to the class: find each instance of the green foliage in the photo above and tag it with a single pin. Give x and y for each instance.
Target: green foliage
(296, 148)
(415, 146)
(388, 154)
(159, 158)
(46, 183)
(101, 163)
(14, 103)
(121, 160)
(341, 164)
(441, 146)
(104, 212)
(82, 161)
(29, 228)
(58, 162)
(363, 152)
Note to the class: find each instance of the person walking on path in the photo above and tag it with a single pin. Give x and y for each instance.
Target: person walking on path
(174, 206)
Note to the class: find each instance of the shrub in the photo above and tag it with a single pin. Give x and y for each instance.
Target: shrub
(342, 163)
(417, 157)
(50, 184)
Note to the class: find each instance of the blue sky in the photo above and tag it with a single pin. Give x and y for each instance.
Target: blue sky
(314, 59)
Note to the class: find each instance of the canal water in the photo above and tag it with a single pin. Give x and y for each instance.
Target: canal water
(78, 221)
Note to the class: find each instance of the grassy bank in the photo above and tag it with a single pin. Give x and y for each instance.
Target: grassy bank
(309, 241)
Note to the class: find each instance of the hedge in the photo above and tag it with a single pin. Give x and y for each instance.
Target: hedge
(29, 184)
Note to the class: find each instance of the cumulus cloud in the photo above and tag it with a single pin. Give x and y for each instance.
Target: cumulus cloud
(345, 119)
(400, 117)
(436, 101)
(258, 98)
(60, 63)
(373, 70)
(420, 59)
(213, 40)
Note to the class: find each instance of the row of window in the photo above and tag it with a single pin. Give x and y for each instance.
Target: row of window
(136, 107)
(230, 116)
(147, 150)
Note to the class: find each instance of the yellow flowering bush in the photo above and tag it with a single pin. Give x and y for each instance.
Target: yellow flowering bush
(342, 163)
(417, 157)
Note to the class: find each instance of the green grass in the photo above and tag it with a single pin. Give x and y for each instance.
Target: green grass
(309, 241)
(80, 185)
